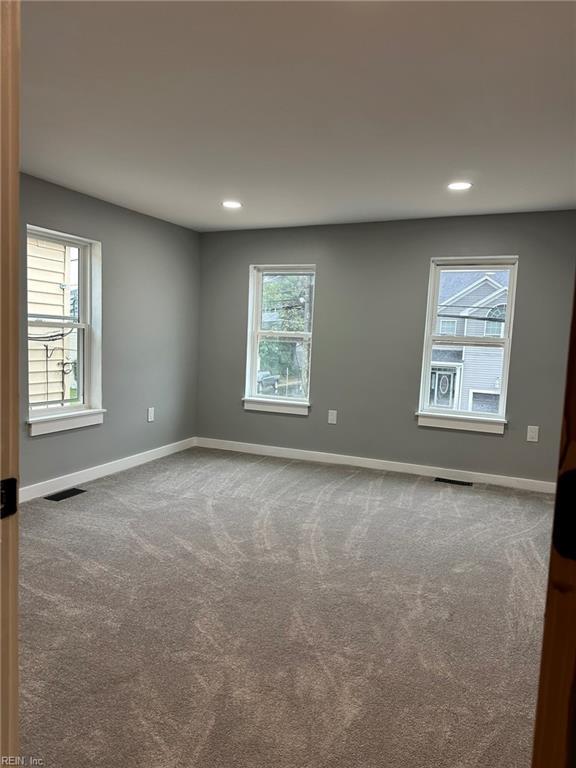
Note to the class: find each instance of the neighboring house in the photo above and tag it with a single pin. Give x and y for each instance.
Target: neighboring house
(469, 304)
(52, 276)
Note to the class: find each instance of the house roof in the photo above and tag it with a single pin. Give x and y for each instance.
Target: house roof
(454, 282)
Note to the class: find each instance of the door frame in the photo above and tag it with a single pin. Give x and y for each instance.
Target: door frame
(9, 365)
(457, 373)
(555, 732)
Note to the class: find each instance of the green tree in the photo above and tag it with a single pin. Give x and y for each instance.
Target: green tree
(286, 306)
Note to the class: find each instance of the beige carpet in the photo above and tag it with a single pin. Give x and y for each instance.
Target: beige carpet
(218, 610)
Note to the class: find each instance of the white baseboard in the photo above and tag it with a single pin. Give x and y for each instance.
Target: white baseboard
(93, 473)
(522, 483)
(63, 482)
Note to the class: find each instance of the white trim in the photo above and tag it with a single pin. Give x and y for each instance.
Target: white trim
(430, 339)
(43, 421)
(93, 384)
(64, 237)
(55, 322)
(295, 407)
(468, 341)
(467, 261)
(458, 421)
(521, 483)
(63, 482)
(287, 268)
(457, 386)
(254, 333)
(59, 422)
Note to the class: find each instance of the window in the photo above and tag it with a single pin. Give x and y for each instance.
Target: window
(494, 325)
(279, 339)
(484, 401)
(448, 327)
(467, 343)
(63, 302)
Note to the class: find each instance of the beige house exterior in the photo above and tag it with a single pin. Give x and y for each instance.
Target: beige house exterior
(52, 272)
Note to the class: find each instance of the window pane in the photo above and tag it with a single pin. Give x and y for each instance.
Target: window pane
(465, 379)
(287, 302)
(494, 325)
(54, 365)
(485, 402)
(283, 368)
(472, 302)
(52, 271)
(447, 327)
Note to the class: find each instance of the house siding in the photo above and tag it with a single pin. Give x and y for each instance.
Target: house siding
(482, 370)
(47, 295)
(482, 366)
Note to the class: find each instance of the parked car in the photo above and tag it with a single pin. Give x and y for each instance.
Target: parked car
(267, 382)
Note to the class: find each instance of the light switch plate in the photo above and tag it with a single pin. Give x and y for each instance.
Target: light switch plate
(532, 434)
(150, 414)
(332, 417)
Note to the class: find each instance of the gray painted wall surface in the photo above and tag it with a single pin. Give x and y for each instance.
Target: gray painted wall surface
(150, 286)
(372, 283)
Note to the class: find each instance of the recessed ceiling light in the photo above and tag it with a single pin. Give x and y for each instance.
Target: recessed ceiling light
(459, 186)
(231, 204)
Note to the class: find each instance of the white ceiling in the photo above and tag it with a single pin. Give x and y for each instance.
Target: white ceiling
(306, 112)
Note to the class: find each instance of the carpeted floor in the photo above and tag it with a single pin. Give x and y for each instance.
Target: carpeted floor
(219, 610)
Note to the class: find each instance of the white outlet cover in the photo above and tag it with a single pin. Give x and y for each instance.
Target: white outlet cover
(332, 417)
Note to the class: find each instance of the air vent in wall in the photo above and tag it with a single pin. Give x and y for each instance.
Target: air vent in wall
(452, 482)
(67, 494)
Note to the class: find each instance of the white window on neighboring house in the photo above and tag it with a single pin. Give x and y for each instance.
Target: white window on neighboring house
(495, 320)
(484, 401)
(281, 308)
(467, 343)
(447, 326)
(63, 331)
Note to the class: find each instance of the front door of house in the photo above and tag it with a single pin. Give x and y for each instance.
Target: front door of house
(443, 386)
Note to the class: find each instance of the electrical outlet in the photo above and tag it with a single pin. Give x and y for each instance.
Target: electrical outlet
(533, 434)
(150, 414)
(332, 417)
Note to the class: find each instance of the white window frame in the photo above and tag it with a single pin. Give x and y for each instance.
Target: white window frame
(465, 420)
(43, 420)
(444, 321)
(252, 400)
(457, 384)
(489, 320)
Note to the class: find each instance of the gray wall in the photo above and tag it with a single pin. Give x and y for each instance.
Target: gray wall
(150, 289)
(372, 283)
(370, 309)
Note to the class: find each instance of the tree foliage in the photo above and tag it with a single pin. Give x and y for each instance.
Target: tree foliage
(286, 306)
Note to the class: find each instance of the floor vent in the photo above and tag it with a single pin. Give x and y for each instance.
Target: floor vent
(61, 495)
(452, 482)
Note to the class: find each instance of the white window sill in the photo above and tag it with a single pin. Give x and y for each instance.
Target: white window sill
(457, 421)
(58, 422)
(295, 407)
